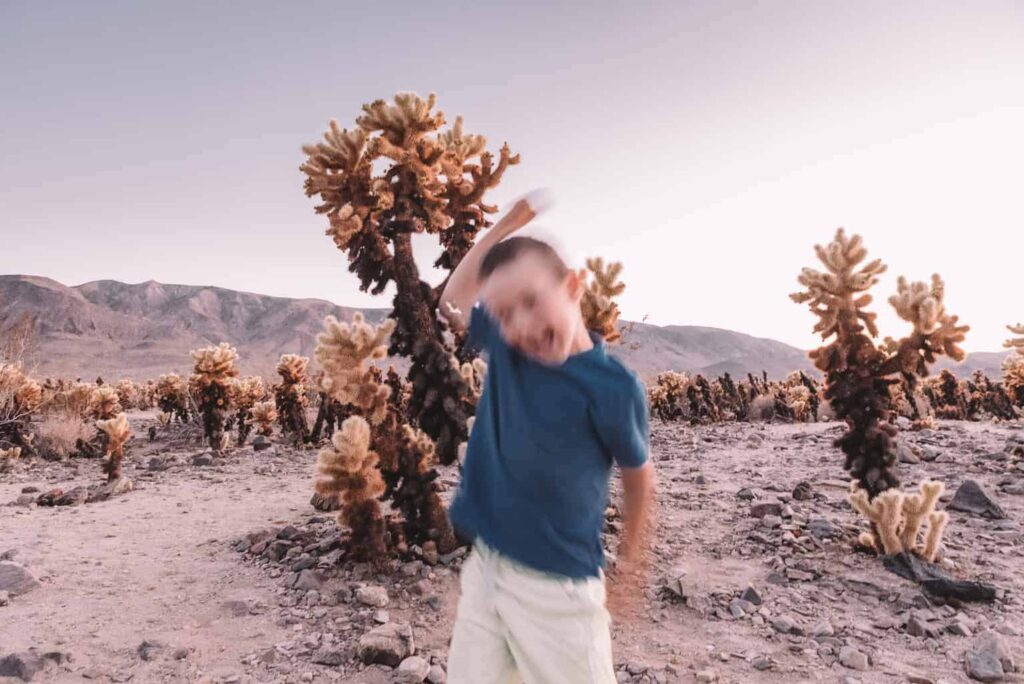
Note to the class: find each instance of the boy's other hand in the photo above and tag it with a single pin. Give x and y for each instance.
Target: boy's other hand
(626, 589)
(524, 210)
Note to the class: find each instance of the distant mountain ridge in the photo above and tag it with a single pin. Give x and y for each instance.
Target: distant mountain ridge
(113, 329)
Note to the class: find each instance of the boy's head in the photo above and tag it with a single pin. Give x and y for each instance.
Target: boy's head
(534, 297)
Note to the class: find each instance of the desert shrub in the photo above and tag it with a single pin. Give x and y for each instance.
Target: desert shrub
(172, 397)
(290, 396)
(265, 415)
(211, 380)
(666, 395)
(20, 400)
(104, 403)
(57, 433)
(117, 433)
(897, 517)
(244, 394)
(858, 373)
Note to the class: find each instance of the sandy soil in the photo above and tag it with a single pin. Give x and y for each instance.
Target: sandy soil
(166, 564)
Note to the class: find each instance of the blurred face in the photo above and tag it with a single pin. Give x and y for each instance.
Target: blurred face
(539, 313)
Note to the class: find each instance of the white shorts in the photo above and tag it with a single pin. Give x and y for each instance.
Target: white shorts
(516, 624)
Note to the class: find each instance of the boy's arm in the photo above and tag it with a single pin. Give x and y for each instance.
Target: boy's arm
(638, 497)
(460, 293)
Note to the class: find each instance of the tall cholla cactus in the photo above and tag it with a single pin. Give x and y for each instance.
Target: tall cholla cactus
(347, 471)
(245, 393)
(1013, 365)
(104, 402)
(345, 351)
(600, 313)
(211, 383)
(290, 396)
(130, 393)
(20, 398)
(265, 415)
(117, 432)
(172, 397)
(429, 181)
(857, 372)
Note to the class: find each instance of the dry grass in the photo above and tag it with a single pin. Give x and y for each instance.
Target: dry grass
(57, 432)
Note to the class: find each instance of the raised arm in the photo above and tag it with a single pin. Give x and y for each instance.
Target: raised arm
(460, 293)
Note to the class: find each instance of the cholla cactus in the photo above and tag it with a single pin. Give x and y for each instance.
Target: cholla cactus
(1013, 365)
(265, 415)
(600, 313)
(8, 457)
(431, 182)
(20, 399)
(290, 396)
(345, 351)
(667, 394)
(211, 382)
(897, 517)
(172, 396)
(117, 432)
(104, 403)
(130, 393)
(245, 393)
(858, 373)
(347, 471)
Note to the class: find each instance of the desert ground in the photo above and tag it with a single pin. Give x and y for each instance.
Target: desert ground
(218, 569)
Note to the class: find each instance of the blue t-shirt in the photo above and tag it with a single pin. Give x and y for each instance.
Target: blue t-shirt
(535, 481)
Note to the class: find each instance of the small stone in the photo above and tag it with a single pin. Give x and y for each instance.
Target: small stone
(799, 575)
(707, 676)
(421, 588)
(437, 675)
(786, 625)
(412, 670)
(822, 528)
(751, 596)
(21, 665)
(738, 607)
(762, 663)
(430, 556)
(388, 644)
(5, 598)
(919, 627)
(971, 498)
(776, 578)
(745, 494)
(325, 656)
(989, 660)
(372, 596)
(771, 521)
(148, 650)
(15, 579)
(381, 617)
(853, 659)
(308, 579)
(261, 443)
(760, 510)
(960, 628)
(823, 629)
(202, 459)
(803, 491)
(180, 653)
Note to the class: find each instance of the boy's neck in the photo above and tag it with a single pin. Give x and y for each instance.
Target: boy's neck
(581, 341)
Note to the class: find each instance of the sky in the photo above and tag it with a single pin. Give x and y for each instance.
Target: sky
(706, 145)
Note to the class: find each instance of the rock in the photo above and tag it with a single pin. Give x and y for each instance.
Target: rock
(803, 491)
(58, 497)
(971, 498)
(771, 521)
(261, 443)
(762, 663)
(437, 675)
(799, 575)
(30, 489)
(906, 454)
(308, 579)
(180, 653)
(204, 458)
(24, 666)
(786, 625)
(303, 563)
(750, 595)
(156, 463)
(421, 588)
(329, 656)
(388, 644)
(430, 556)
(148, 650)
(760, 510)
(324, 503)
(236, 608)
(15, 579)
(989, 659)
(738, 608)
(822, 528)
(707, 676)
(288, 532)
(412, 670)
(381, 617)
(776, 578)
(5, 598)
(823, 629)
(745, 494)
(372, 596)
(853, 659)
(277, 549)
(919, 627)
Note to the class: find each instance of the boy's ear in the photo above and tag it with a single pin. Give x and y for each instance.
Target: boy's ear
(576, 280)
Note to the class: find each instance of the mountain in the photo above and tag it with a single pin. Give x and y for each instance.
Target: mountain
(112, 329)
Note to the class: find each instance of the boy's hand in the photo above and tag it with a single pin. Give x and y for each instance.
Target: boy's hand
(626, 589)
(524, 210)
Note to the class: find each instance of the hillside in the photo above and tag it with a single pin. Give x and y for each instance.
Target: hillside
(112, 329)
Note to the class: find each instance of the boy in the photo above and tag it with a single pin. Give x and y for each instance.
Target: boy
(555, 413)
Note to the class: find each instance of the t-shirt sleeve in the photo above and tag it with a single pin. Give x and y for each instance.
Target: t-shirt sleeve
(622, 424)
(482, 329)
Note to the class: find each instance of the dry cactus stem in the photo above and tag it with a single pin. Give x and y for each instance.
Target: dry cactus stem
(897, 517)
(117, 432)
(290, 396)
(210, 383)
(244, 394)
(431, 182)
(858, 373)
(20, 398)
(172, 396)
(1013, 365)
(347, 471)
(265, 415)
(600, 313)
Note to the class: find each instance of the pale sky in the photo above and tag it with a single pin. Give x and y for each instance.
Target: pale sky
(708, 145)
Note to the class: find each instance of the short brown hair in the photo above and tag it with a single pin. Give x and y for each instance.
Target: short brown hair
(510, 249)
